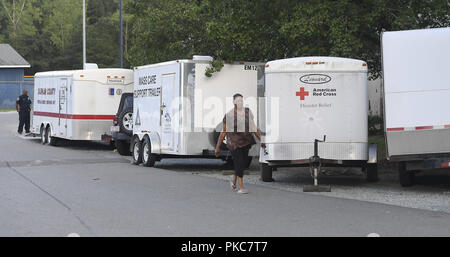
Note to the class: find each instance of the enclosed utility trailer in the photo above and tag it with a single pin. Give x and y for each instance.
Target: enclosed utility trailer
(416, 99)
(178, 110)
(78, 104)
(308, 98)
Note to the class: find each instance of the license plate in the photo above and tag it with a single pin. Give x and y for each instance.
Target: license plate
(115, 129)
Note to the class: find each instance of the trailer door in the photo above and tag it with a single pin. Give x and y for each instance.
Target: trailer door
(167, 111)
(62, 120)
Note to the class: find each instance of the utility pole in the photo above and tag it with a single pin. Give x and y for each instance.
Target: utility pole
(84, 33)
(121, 36)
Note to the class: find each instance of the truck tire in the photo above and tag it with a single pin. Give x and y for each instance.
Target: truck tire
(126, 121)
(406, 177)
(371, 172)
(148, 159)
(123, 147)
(137, 153)
(266, 173)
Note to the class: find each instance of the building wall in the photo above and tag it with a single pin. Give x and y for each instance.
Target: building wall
(11, 86)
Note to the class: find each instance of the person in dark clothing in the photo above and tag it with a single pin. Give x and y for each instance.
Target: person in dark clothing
(238, 126)
(23, 107)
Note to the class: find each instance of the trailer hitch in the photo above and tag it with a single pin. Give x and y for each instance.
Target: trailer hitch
(315, 164)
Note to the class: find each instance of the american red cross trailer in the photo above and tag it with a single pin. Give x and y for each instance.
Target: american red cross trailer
(416, 99)
(77, 104)
(307, 98)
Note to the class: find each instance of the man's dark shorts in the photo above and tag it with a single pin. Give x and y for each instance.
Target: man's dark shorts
(240, 158)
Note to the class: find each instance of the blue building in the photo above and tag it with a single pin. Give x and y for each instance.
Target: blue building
(12, 82)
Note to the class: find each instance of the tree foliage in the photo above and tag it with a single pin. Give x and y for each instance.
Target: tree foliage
(49, 33)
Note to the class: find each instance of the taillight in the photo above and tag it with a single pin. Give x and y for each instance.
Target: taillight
(116, 120)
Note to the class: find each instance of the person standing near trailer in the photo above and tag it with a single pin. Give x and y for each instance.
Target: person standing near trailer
(23, 107)
(236, 124)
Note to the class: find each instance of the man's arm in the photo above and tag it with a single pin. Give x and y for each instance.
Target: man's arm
(257, 134)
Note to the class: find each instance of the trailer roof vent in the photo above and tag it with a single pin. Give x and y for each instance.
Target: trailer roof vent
(202, 58)
(90, 66)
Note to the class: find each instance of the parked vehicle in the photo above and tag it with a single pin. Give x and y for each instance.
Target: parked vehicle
(308, 98)
(78, 104)
(178, 110)
(416, 93)
(122, 128)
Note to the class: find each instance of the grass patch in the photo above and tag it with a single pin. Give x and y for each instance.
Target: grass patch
(7, 110)
(381, 150)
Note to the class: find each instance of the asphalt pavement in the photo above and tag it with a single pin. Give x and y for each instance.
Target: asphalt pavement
(90, 190)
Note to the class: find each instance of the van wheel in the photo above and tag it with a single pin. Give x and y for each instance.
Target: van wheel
(137, 153)
(148, 159)
(266, 173)
(406, 177)
(43, 136)
(126, 121)
(123, 147)
(371, 172)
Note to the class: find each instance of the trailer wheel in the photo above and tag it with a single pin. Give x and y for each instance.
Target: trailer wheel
(371, 172)
(137, 153)
(126, 121)
(266, 173)
(50, 140)
(148, 159)
(43, 136)
(123, 147)
(406, 177)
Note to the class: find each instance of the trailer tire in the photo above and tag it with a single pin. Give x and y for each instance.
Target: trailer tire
(48, 134)
(43, 136)
(148, 159)
(123, 147)
(266, 173)
(126, 121)
(136, 152)
(371, 172)
(406, 177)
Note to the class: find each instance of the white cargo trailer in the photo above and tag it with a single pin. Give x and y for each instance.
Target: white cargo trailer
(177, 109)
(78, 104)
(308, 98)
(416, 99)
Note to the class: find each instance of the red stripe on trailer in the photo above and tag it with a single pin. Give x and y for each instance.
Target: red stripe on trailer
(395, 129)
(447, 126)
(424, 127)
(445, 164)
(75, 116)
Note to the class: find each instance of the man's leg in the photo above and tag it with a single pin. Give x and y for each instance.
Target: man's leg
(20, 129)
(27, 122)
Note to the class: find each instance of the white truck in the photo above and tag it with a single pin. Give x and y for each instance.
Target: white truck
(78, 104)
(307, 98)
(177, 109)
(416, 99)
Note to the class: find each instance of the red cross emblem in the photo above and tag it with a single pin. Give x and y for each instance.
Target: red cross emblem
(302, 93)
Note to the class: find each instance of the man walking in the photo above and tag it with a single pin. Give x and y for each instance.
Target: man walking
(23, 106)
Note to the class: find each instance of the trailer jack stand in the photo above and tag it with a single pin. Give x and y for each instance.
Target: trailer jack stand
(315, 164)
